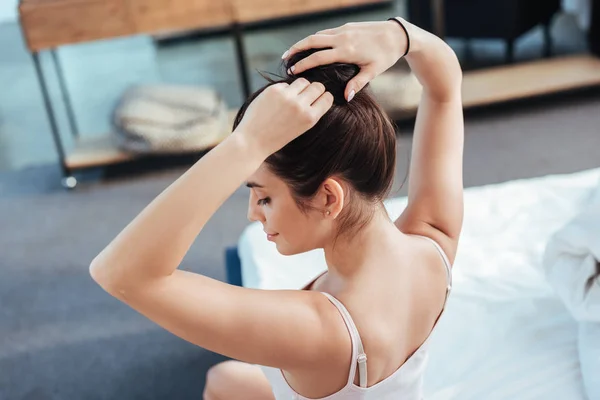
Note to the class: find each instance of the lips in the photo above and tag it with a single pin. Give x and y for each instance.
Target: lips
(271, 236)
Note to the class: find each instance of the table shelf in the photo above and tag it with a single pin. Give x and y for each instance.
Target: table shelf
(101, 150)
(400, 92)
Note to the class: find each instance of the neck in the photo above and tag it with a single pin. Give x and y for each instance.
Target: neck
(352, 256)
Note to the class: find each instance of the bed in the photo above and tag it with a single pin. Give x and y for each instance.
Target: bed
(505, 334)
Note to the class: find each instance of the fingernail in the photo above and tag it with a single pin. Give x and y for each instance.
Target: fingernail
(285, 54)
(291, 69)
(351, 95)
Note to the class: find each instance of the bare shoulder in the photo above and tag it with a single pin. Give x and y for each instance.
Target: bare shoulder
(420, 230)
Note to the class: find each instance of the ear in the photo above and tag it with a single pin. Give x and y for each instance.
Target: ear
(332, 197)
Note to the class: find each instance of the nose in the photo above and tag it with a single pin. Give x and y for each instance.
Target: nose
(254, 210)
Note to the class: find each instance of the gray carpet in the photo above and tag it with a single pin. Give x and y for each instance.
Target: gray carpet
(62, 337)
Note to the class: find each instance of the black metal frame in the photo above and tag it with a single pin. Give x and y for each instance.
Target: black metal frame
(242, 60)
(68, 179)
(65, 94)
(236, 30)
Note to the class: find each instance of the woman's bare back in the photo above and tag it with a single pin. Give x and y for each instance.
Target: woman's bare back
(396, 311)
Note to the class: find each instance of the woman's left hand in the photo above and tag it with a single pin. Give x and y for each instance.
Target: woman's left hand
(282, 112)
(373, 46)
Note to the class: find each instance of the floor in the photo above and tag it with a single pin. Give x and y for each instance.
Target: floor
(97, 74)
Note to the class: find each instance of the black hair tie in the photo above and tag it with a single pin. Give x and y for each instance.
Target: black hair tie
(397, 20)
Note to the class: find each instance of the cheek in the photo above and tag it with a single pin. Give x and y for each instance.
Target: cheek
(299, 231)
(279, 218)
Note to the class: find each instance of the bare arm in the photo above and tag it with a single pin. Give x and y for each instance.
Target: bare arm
(292, 330)
(139, 266)
(435, 189)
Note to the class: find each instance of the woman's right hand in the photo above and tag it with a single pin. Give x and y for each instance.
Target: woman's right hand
(282, 112)
(373, 46)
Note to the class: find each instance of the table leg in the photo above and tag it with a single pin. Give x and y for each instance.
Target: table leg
(65, 94)
(594, 32)
(438, 18)
(241, 57)
(68, 180)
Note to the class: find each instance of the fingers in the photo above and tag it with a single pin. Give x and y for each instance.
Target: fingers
(322, 104)
(298, 86)
(322, 57)
(311, 93)
(356, 84)
(310, 42)
(306, 92)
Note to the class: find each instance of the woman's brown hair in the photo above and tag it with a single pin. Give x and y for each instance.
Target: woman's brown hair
(354, 141)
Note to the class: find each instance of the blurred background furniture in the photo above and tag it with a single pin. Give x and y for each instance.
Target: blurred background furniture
(48, 24)
(399, 92)
(250, 16)
(594, 32)
(165, 119)
(501, 83)
(487, 19)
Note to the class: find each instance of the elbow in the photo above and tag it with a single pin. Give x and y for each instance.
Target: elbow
(459, 77)
(456, 76)
(102, 276)
(114, 280)
(453, 64)
(447, 87)
(97, 272)
(454, 73)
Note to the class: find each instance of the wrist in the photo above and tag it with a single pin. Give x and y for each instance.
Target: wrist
(249, 146)
(397, 27)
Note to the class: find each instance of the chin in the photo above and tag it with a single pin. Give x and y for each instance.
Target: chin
(291, 251)
(286, 251)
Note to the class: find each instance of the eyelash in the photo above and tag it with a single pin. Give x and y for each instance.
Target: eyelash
(263, 202)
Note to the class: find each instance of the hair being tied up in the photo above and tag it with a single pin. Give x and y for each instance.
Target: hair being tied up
(354, 141)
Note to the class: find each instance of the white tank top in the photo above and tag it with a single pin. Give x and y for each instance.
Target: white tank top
(406, 383)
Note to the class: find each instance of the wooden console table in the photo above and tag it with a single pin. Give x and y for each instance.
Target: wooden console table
(48, 24)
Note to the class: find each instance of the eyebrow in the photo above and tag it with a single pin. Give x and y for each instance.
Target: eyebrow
(253, 184)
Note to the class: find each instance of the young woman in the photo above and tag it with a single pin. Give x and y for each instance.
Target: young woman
(318, 154)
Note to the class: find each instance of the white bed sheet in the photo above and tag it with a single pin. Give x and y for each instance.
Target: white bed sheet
(505, 334)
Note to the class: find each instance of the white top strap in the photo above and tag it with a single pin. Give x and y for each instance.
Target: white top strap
(446, 263)
(358, 353)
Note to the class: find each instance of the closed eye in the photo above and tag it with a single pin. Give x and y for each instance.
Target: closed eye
(263, 202)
